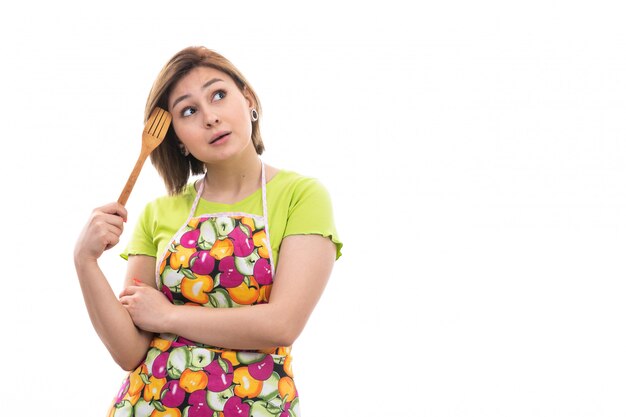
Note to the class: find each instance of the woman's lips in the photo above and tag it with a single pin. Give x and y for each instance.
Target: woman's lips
(219, 138)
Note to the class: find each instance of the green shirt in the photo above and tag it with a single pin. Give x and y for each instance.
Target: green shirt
(297, 205)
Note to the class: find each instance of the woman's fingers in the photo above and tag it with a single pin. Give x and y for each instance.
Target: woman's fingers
(128, 291)
(114, 208)
(110, 233)
(102, 231)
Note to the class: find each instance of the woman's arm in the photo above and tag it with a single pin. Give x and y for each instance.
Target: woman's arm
(305, 265)
(126, 343)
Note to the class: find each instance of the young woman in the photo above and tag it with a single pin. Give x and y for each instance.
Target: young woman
(223, 272)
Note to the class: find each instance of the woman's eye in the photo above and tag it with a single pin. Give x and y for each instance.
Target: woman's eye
(219, 95)
(188, 111)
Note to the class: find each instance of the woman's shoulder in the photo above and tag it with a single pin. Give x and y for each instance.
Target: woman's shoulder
(285, 179)
(296, 189)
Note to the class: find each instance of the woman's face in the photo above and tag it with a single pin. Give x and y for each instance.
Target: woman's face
(210, 115)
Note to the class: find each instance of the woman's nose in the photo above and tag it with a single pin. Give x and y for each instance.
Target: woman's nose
(211, 119)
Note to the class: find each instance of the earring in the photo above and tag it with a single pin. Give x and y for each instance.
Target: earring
(254, 115)
(183, 149)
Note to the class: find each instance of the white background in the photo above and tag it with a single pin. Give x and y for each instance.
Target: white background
(475, 152)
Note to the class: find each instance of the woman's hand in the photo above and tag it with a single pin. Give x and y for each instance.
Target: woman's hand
(147, 306)
(102, 232)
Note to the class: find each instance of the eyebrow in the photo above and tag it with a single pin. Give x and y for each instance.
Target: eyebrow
(206, 85)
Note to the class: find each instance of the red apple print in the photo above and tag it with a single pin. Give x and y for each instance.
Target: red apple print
(190, 239)
(262, 271)
(285, 412)
(168, 293)
(181, 341)
(220, 374)
(242, 240)
(159, 366)
(263, 369)
(172, 395)
(234, 407)
(123, 390)
(198, 405)
(229, 277)
(201, 262)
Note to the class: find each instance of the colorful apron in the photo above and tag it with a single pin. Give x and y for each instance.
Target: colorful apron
(221, 260)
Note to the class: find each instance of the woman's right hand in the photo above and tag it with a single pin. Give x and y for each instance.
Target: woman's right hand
(102, 231)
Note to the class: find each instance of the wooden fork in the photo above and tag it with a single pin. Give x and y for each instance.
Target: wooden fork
(153, 134)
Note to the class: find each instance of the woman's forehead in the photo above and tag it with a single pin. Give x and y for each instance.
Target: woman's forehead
(197, 79)
(201, 75)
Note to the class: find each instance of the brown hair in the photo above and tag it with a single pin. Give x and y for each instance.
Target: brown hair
(170, 163)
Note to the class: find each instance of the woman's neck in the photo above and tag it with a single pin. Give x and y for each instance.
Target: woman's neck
(232, 180)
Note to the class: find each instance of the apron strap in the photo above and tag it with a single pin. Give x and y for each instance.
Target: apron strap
(266, 216)
(196, 200)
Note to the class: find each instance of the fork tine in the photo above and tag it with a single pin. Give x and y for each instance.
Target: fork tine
(163, 125)
(151, 119)
(161, 120)
(158, 114)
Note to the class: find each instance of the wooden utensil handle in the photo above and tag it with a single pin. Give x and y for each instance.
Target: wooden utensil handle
(132, 179)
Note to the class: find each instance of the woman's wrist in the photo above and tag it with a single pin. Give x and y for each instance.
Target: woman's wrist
(83, 263)
(169, 320)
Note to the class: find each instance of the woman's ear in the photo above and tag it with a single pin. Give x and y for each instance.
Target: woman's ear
(249, 98)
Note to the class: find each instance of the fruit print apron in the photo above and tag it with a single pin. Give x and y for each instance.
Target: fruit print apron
(219, 260)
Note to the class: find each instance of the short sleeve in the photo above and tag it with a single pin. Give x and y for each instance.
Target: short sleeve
(311, 212)
(142, 241)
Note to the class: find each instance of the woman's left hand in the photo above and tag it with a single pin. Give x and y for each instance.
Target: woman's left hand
(146, 305)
